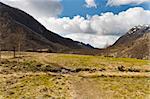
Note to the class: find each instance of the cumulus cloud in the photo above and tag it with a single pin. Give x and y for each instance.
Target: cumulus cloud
(90, 3)
(99, 41)
(103, 24)
(96, 30)
(107, 25)
(67, 25)
(37, 8)
(125, 2)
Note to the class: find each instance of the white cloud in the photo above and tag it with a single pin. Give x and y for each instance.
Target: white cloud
(99, 41)
(96, 30)
(37, 8)
(104, 24)
(107, 25)
(125, 2)
(66, 25)
(90, 3)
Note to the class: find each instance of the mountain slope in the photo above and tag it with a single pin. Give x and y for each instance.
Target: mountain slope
(16, 22)
(134, 44)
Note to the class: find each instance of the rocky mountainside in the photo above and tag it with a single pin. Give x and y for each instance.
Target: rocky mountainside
(134, 44)
(19, 29)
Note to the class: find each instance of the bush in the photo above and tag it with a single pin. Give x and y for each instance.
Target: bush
(121, 68)
(133, 70)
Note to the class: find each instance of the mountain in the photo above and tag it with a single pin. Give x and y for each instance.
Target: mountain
(134, 44)
(19, 29)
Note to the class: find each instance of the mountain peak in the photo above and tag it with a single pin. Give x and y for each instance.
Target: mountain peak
(139, 29)
(134, 44)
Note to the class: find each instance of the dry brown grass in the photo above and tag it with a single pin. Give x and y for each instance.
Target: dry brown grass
(29, 76)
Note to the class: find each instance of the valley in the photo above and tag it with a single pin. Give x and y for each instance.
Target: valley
(39, 61)
(67, 76)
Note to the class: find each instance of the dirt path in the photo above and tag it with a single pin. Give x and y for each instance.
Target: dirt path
(87, 89)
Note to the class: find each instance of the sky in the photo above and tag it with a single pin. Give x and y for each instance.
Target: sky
(95, 22)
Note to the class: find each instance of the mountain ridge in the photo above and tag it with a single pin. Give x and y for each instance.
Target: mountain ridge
(56, 43)
(14, 22)
(134, 44)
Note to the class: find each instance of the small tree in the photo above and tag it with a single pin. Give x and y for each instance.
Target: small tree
(20, 38)
(1, 43)
(0, 46)
(12, 43)
(15, 41)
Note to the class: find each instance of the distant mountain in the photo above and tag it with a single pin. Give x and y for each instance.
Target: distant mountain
(20, 30)
(134, 44)
(18, 26)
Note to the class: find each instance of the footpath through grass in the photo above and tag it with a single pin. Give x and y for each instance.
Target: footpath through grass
(68, 76)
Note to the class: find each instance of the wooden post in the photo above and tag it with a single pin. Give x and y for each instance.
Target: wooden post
(14, 52)
(0, 54)
(0, 47)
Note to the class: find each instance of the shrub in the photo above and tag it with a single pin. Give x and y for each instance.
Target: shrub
(121, 68)
(133, 70)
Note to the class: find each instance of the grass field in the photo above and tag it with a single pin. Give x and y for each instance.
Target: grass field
(67, 76)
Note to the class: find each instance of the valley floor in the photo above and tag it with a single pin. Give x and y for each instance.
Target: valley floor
(66, 76)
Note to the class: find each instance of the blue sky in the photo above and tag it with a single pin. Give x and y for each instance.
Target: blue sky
(72, 8)
(107, 19)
